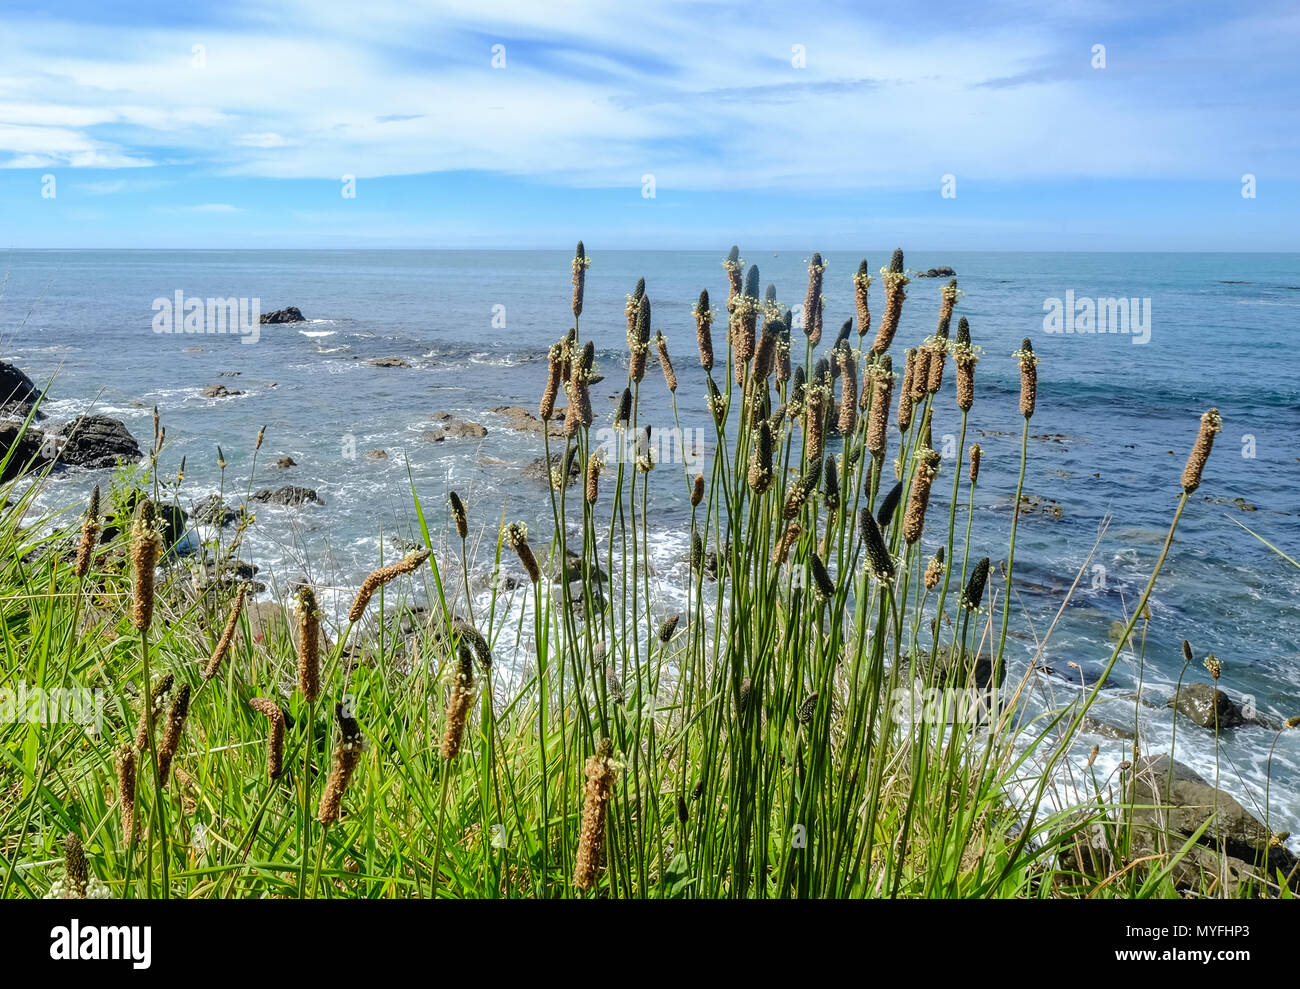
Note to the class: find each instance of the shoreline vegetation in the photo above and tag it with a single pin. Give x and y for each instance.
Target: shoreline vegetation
(831, 715)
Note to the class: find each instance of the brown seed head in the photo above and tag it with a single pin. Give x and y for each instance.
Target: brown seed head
(275, 734)
(126, 790)
(171, 742)
(308, 613)
(601, 773)
(227, 634)
(1028, 377)
(348, 748)
(1211, 423)
(927, 468)
(146, 546)
(89, 536)
(378, 578)
(670, 378)
(460, 699)
(905, 392)
(975, 453)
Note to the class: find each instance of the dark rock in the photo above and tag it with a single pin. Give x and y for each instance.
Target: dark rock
(212, 510)
(17, 393)
(97, 441)
(219, 391)
(943, 271)
(376, 454)
(388, 362)
(289, 314)
(284, 463)
(289, 494)
(175, 521)
(434, 435)
(26, 452)
(1198, 702)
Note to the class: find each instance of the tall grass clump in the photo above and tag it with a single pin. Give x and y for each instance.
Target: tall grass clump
(558, 732)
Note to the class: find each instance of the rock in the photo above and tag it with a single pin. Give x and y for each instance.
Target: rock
(213, 510)
(289, 494)
(376, 454)
(97, 441)
(289, 314)
(17, 393)
(455, 428)
(943, 271)
(219, 391)
(524, 421)
(284, 463)
(175, 521)
(542, 470)
(573, 568)
(433, 435)
(388, 362)
(1234, 855)
(1096, 726)
(26, 450)
(271, 625)
(230, 374)
(1192, 801)
(1198, 703)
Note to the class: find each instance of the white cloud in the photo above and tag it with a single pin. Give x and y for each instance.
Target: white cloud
(595, 95)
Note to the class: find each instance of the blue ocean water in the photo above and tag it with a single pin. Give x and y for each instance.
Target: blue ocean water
(1113, 424)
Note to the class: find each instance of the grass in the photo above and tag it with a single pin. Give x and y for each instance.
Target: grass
(543, 740)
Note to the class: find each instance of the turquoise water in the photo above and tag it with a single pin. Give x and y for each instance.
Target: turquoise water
(1220, 334)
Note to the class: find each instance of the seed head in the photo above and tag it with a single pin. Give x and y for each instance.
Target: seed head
(227, 634)
(308, 613)
(274, 736)
(458, 514)
(89, 536)
(879, 561)
(1028, 377)
(1211, 423)
(601, 773)
(349, 745)
(975, 454)
(146, 546)
(927, 467)
(378, 578)
(974, 591)
(703, 332)
(171, 742)
(580, 264)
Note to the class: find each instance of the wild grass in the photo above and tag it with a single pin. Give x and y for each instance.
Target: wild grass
(557, 737)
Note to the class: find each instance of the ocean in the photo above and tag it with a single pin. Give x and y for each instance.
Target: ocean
(1116, 415)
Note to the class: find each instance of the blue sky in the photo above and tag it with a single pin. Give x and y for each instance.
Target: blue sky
(781, 125)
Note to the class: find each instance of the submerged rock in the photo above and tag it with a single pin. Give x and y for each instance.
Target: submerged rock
(219, 391)
(289, 494)
(456, 428)
(388, 362)
(524, 421)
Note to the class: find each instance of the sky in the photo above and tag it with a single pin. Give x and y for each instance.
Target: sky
(668, 125)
